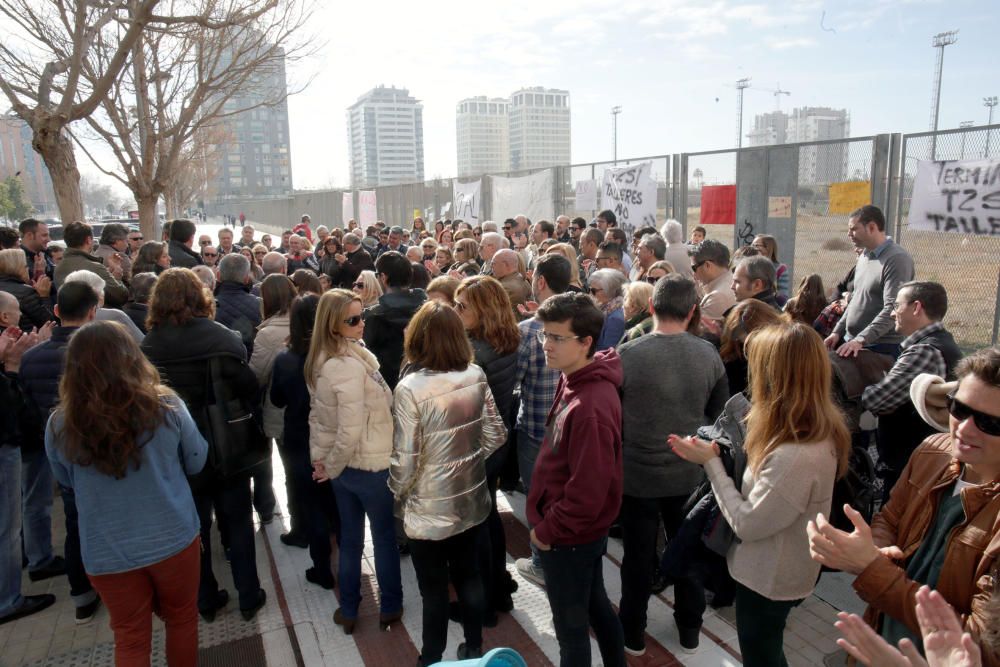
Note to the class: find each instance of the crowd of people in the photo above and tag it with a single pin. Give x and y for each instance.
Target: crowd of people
(632, 384)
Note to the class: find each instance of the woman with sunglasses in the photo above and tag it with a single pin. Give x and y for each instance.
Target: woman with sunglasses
(943, 515)
(657, 270)
(606, 287)
(447, 425)
(488, 317)
(797, 445)
(368, 288)
(466, 258)
(350, 442)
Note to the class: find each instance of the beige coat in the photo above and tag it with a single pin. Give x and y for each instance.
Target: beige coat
(447, 424)
(272, 335)
(350, 422)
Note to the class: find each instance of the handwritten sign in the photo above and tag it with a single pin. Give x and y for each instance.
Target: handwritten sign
(526, 195)
(961, 196)
(718, 205)
(347, 207)
(849, 196)
(779, 207)
(466, 197)
(368, 208)
(586, 195)
(631, 193)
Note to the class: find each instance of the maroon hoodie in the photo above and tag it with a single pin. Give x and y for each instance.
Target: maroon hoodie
(576, 488)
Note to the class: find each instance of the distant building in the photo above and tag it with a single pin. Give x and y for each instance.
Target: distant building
(385, 134)
(254, 159)
(18, 158)
(817, 164)
(539, 128)
(482, 136)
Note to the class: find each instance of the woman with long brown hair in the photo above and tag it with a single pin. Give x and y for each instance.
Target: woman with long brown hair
(808, 302)
(123, 442)
(743, 319)
(484, 308)
(447, 425)
(797, 445)
(350, 442)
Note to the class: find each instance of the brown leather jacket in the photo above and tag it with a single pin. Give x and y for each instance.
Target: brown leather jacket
(970, 570)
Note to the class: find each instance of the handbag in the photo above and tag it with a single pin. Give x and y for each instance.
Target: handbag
(237, 441)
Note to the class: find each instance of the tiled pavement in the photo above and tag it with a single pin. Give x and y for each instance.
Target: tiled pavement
(295, 628)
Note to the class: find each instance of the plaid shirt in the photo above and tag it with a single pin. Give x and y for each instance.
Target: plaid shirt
(894, 389)
(537, 382)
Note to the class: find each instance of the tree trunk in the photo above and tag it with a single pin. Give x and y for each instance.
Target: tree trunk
(57, 153)
(149, 221)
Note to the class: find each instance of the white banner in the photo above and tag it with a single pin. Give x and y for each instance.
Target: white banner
(586, 195)
(466, 198)
(525, 195)
(445, 208)
(347, 208)
(961, 196)
(367, 208)
(630, 192)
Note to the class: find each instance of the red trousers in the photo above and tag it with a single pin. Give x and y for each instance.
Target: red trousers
(169, 588)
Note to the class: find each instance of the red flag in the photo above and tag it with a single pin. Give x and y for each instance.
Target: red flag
(718, 205)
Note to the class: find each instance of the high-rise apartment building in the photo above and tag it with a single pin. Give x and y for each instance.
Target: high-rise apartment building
(253, 158)
(385, 134)
(539, 128)
(482, 136)
(18, 158)
(824, 163)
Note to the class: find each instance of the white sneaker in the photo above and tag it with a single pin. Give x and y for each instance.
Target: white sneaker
(529, 571)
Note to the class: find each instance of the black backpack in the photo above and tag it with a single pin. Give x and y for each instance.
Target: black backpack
(856, 488)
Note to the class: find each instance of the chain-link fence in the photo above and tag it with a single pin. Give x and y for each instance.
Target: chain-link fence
(967, 265)
(708, 168)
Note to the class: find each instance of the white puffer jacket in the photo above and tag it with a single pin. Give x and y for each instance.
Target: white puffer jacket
(271, 338)
(350, 422)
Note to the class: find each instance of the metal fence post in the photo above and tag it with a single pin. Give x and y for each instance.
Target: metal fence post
(894, 181)
(880, 170)
(682, 197)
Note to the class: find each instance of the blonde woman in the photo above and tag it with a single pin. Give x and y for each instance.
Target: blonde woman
(567, 251)
(350, 443)
(367, 287)
(797, 444)
(638, 319)
(466, 253)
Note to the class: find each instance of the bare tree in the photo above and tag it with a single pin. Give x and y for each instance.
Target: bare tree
(185, 79)
(197, 170)
(41, 73)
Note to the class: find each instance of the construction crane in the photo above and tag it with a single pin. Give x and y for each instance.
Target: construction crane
(777, 92)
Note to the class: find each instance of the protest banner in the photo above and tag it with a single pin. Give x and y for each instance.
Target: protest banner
(347, 207)
(367, 208)
(849, 196)
(630, 193)
(961, 196)
(586, 195)
(525, 195)
(718, 205)
(466, 198)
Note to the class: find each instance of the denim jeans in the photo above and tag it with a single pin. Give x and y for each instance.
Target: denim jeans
(760, 627)
(640, 525)
(37, 484)
(10, 530)
(231, 498)
(527, 452)
(574, 583)
(360, 493)
(80, 588)
(435, 562)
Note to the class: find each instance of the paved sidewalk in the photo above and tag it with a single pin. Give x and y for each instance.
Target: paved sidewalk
(295, 628)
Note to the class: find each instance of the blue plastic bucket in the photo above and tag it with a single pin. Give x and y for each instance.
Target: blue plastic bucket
(498, 657)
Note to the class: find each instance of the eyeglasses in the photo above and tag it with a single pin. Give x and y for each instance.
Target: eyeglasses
(988, 424)
(135, 238)
(209, 254)
(544, 336)
(477, 233)
(358, 285)
(697, 265)
(651, 280)
(353, 321)
(204, 243)
(594, 291)
(506, 229)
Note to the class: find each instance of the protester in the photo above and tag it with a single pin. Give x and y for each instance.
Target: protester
(677, 251)
(657, 483)
(465, 253)
(710, 267)
(153, 257)
(312, 507)
(368, 287)
(882, 268)
(226, 242)
(113, 314)
(185, 343)
(443, 259)
(753, 278)
(446, 426)
(443, 289)
(767, 246)
(137, 308)
(354, 260)
(328, 263)
(606, 286)
(350, 442)
(797, 444)
(120, 439)
(576, 488)
(181, 241)
(651, 250)
(506, 270)
(307, 282)
(32, 299)
(79, 241)
(743, 319)
(34, 242)
(386, 320)
(808, 302)
(209, 256)
(569, 252)
(236, 308)
(698, 235)
(636, 309)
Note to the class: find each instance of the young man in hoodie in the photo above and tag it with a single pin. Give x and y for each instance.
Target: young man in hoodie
(386, 321)
(576, 490)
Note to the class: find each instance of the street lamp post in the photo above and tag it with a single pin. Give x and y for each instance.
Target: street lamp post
(615, 110)
(964, 125)
(989, 103)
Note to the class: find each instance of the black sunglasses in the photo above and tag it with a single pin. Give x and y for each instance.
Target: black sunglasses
(651, 280)
(209, 254)
(697, 265)
(358, 285)
(988, 424)
(353, 321)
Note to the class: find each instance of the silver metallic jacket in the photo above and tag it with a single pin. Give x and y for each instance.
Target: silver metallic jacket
(446, 425)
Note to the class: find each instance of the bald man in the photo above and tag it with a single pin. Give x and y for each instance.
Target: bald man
(488, 246)
(10, 311)
(505, 269)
